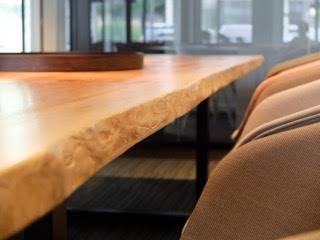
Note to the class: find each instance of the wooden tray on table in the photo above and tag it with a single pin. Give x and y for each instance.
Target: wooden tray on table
(70, 62)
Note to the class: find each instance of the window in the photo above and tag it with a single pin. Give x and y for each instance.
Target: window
(160, 21)
(20, 23)
(301, 17)
(11, 26)
(152, 20)
(226, 21)
(137, 25)
(96, 22)
(115, 22)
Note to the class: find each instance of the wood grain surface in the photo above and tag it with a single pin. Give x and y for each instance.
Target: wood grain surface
(70, 62)
(58, 129)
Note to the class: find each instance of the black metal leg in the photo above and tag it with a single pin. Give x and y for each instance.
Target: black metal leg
(53, 226)
(17, 237)
(202, 150)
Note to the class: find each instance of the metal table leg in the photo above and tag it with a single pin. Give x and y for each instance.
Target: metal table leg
(53, 226)
(202, 147)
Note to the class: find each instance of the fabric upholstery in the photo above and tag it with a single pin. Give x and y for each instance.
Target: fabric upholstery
(280, 82)
(299, 119)
(266, 189)
(282, 108)
(292, 63)
(306, 236)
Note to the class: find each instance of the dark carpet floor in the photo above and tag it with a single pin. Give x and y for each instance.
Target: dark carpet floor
(137, 194)
(132, 195)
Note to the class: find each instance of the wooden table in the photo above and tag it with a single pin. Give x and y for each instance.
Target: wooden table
(58, 129)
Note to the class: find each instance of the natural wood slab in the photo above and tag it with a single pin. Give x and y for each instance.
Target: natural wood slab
(70, 62)
(59, 129)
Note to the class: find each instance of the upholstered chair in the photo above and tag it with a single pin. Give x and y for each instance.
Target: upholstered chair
(280, 109)
(268, 188)
(286, 79)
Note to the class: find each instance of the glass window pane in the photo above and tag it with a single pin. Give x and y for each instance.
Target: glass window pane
(301, 24)
(299, 20)
(159, 21)
(11, 26)
(209, 21)
(96, 22)
(235, 21)
(136, 22)
(115, 22)
(227, 21)
(67, 26)
(152, 20)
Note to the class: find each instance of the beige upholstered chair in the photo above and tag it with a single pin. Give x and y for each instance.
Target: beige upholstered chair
(292, 63)
(305, 236)
(268, 188)
(284, 80)
(280, 109)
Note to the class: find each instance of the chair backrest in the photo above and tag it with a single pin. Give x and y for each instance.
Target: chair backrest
(280, 82)
(284, 109)
(283, 66)
(266, 189)
(295, 120)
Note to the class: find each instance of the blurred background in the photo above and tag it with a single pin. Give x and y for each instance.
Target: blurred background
(278, 29)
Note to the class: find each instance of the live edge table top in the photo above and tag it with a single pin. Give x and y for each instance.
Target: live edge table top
(59, 129)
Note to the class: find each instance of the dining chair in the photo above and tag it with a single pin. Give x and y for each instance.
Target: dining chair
(268, 188)
(287, 79)
(279, 109)
(292, 63)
